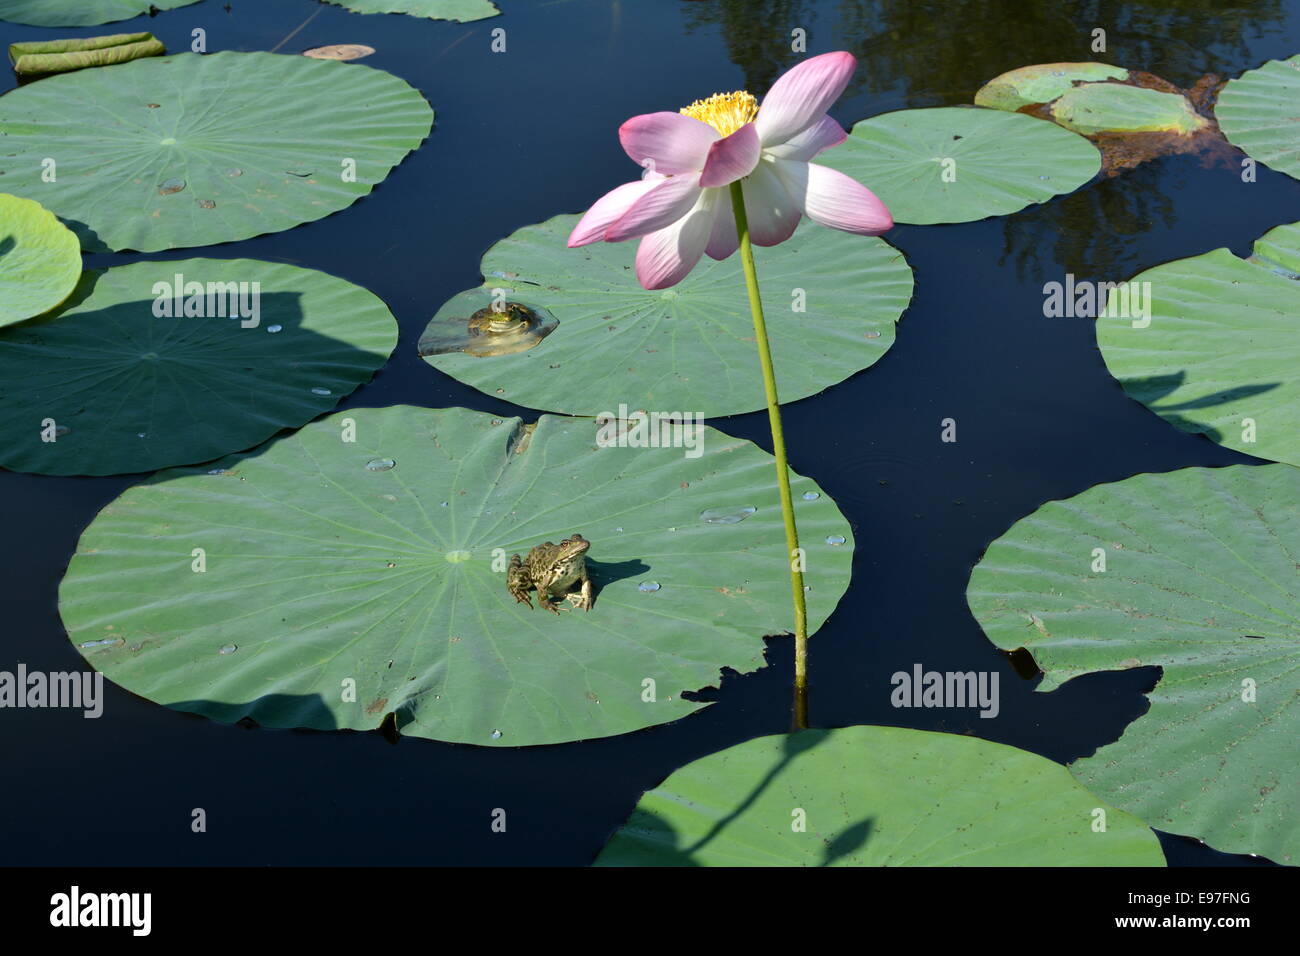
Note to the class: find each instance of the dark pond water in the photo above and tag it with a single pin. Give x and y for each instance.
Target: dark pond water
(525, 135)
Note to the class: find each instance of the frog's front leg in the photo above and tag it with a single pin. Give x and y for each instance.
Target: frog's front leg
(583, 597)
(518, 581)
(544, 600)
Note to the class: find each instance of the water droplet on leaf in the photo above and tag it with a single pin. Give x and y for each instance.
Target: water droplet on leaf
(106, 642)
(727, 515)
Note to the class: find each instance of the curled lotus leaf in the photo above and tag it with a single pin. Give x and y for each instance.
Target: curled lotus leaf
(1041, 83)
(1118, 108)
(40, 260)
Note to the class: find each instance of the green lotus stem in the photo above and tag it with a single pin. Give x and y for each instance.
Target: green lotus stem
(782, 463)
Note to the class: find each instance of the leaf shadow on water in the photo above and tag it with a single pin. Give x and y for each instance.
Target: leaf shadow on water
(1150, 390)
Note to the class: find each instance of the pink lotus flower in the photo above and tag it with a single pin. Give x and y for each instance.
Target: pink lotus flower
(681, 208)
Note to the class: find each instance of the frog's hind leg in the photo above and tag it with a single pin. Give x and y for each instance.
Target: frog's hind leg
(517, 581)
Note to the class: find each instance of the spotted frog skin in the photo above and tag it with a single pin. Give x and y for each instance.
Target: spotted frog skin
(550, 570)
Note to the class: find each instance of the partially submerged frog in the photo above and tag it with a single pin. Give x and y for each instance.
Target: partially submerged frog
(550, 570)
(510, 316)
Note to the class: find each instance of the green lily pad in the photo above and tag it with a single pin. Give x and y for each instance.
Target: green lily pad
(1220, 351)
(148, 158)
(688, 348)
(112, 383)
(80, 13)
(1041, 83)
(1257, 113)
(1200, 579)
(876, 796)
(40, 260)
(462, 11)
(1116, 108)
(346, 580)
(958, 164)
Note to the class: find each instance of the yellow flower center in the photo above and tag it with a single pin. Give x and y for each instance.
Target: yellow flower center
(725, 112)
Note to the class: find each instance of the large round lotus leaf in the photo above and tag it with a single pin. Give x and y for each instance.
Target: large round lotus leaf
(1041, 83)
(876, 796)
(957, 164)
(1199, 579)
(40, 259)
(175, 151)
(831, 301)
(112, 382)
(349, 579)
(1221, 348)
(1257, 112)
(1117, 108)
(461, 11)
(80, 13)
